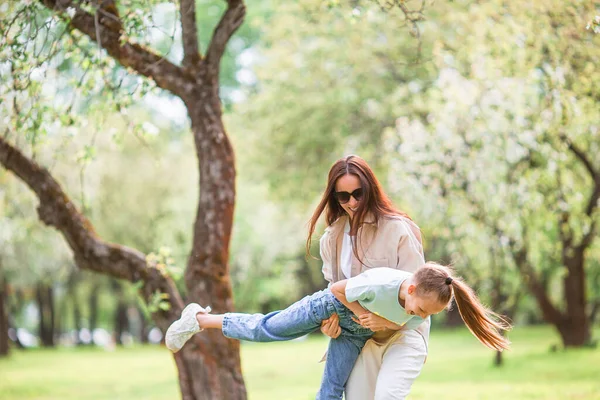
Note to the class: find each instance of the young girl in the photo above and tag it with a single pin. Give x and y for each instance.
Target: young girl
(379, 298)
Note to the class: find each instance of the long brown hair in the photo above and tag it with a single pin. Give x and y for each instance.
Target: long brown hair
(374, 202)
(482, 322)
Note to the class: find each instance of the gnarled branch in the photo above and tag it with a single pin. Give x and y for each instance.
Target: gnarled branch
(189, 34)
(551, 313)
(105, 28)
(90, 251)
(594, 199)
(230, 22)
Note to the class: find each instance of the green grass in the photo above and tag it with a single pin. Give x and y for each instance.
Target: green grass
(457, 368)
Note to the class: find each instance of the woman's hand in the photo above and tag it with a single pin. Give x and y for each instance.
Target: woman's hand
(331, 326)
(374, 322)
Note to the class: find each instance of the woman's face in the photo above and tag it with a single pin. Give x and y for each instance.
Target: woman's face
(345, 185)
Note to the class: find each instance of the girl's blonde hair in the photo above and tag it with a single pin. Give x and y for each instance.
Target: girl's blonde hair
(482, 322)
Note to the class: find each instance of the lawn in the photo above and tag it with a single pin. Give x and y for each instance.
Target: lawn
(457, 368)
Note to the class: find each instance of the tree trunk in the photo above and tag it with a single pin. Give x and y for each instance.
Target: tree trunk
(121, 321)
(45, 301)
(209, 367)
(594, 312)
(573, 326)
(3, 315)
(77, 320)
(575, 330)
(13, 308)
(93, 303)
(144, 326)
(74, 301)
(498, 359)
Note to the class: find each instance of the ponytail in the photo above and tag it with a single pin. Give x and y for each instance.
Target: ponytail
(482, 322)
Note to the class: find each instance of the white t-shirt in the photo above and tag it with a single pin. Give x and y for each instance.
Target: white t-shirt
(346, 254)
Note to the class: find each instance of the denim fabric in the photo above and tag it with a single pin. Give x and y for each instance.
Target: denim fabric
(299, 319)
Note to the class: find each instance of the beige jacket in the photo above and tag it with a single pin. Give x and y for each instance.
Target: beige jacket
(394, 242)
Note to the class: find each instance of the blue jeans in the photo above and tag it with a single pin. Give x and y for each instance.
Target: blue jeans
(299, 319)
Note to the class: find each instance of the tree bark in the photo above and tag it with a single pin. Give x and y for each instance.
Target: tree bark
(45, 300)
(72, 301)
(93, 302)
(14, 307)
(594, 313)
(143, 331)
(575, 329)
(121, 321)
(4, 349)
(211, 365)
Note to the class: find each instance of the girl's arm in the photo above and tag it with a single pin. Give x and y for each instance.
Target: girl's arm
(338, 289)
(364, 316)
(376, 322)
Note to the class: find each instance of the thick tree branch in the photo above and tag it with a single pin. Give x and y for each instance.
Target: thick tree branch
(564, 230)
(594, 199)
(582, 157)
(230, 22)
(106, 29)
(189, 36)
(588, 238)
(519, 255)
(90, 251)
(594, 174)
(551, 313)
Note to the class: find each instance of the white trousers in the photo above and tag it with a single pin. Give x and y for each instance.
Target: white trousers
(387, 372)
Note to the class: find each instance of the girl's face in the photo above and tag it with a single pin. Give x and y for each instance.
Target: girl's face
(422, 305)
(348, 192)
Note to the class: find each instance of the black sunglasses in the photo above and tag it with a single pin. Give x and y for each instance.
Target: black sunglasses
(344, 197)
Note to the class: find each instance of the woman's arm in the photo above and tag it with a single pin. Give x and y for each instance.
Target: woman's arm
(338, 289)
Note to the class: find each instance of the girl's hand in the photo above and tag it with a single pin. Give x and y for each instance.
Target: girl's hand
(373, 322)
(331, 326)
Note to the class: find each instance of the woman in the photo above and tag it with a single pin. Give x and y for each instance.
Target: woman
(365, 231)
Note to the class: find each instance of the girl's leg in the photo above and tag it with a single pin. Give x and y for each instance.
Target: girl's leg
(210, 321)
(341, 356)
(297, 320)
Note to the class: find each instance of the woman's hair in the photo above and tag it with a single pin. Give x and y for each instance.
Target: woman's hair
(374, 201)
(482, 322)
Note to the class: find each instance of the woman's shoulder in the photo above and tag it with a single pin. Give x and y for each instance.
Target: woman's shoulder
(399, 226)
(400, 222)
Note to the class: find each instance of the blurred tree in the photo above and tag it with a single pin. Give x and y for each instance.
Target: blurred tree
(3, 313)
(328, 82)
(506, 136)
(210, 367)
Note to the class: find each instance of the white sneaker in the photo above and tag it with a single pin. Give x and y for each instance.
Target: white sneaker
(185, 327)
